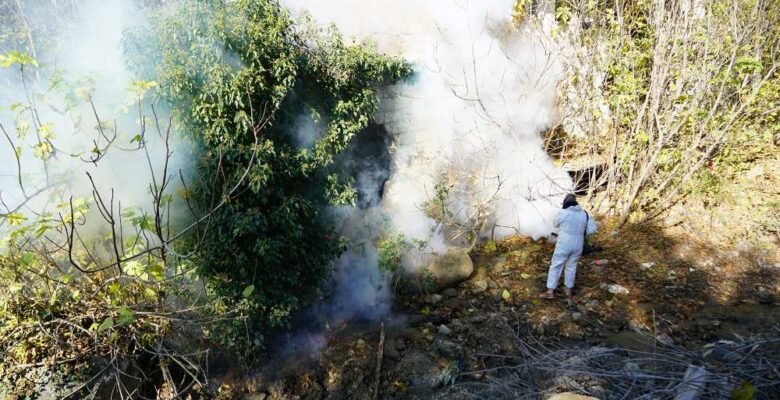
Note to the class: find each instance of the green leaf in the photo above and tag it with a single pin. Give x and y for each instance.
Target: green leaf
(746, 392)
(106, 324)
(506, 295)
(748, 65)
(125, 317)
(248, 291)
(150, 294)
(15, 218)
(15, 57)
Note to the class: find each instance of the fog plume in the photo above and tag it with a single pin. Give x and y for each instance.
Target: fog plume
(466, 146)
(81, 86)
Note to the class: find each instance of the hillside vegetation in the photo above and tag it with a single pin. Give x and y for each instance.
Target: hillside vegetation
(669, 125)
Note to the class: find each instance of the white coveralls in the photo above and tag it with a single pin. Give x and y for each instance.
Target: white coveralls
(570, 223)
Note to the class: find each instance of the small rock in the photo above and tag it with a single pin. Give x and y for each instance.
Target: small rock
(478, 319)
(443, 330)
(591, 305)
(498, 260)
(450, 292)
(435, 298)
(256, 396)
(400, 344)
(446, 348)
(453, 303)
(479, 286)
(647, 265)
(392, 352)
(764, 297)
(492, 284)
(499, 267)
(563, 317)
(576, 316)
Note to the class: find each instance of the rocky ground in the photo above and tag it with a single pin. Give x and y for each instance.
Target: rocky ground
(649, 292)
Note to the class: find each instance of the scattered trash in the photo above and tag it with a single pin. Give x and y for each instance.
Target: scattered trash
(525, 276)
(614, 288)
(694, 382)
(647, 265)
(600, 262)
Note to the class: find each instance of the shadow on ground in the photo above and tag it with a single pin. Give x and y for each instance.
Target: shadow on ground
(683, 294)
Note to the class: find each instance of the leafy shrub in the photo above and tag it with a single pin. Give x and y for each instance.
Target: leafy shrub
(391, 249)
(239, 75)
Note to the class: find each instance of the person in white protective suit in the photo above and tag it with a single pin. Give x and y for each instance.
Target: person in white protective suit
(573, 224)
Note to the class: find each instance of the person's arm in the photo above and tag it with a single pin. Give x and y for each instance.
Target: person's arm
(557, 220)
(556, 224)
(591, 228)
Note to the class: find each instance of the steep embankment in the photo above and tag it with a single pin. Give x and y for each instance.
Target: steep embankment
(492, 336)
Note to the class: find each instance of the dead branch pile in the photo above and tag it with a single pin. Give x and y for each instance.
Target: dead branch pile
(749, 367)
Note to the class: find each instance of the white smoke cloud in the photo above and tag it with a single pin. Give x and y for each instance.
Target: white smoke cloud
(483, 91)
(87, 57)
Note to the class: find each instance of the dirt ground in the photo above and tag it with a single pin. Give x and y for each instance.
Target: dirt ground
(680, 292)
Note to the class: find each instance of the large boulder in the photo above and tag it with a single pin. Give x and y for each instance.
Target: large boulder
(451, 268)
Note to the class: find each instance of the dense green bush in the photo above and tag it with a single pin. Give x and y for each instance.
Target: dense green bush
(238, 75)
